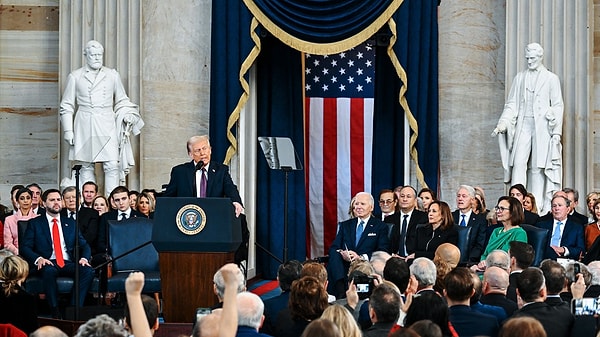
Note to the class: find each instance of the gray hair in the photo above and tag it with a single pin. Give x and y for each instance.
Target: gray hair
(424, 271)
(220, 283)
(92, 44)
(4, 253)
(594, 269)
(468, 188)
(250, 309)
(535, 48)
(498, 258)
(101, 325)
(196, 139)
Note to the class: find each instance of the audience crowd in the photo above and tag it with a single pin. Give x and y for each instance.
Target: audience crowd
(414, 269)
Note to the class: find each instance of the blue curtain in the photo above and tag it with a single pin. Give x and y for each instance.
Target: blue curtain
(280, 97)
(322, 21)
(279, 115)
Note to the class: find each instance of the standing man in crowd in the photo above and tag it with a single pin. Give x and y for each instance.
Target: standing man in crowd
(88, 217)
(202, 177)
(100, 131)
(89, 191)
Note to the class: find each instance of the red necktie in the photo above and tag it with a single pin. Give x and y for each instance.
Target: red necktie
(56, 242)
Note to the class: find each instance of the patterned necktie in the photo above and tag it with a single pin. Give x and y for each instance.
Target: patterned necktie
(60, 261)
(359, 231)
(462, 221)
(403, 235)
(203, 183)
(555, 241)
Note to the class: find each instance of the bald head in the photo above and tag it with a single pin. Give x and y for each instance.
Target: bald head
(495, 280)
(48, 331)
(448, 253)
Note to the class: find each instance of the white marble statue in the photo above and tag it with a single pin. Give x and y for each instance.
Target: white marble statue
(104, 120)
(531, 128)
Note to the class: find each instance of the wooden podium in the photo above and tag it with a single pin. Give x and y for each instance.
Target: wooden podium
(194, 238)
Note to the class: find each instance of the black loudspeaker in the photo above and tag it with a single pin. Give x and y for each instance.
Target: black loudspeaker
(87, 312)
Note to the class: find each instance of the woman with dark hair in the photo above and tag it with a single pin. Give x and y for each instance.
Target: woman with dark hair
(17, 307)
(429, 305)
(322, 327)
(439, 230)
(308, 300)
(428, 196)
(509, 212)
(24, 197)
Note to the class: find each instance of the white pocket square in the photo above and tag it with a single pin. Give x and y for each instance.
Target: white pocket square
(372, 234)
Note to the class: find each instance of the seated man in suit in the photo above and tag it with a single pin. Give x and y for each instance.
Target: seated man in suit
(356, 239)
(573, 196)
(88, 217)
(202, 177)
(531, 287)
(403, 238)
(521, 257)
(465, 217)
(566, 237)
(120, 197)
(495, 284)
(49, 247)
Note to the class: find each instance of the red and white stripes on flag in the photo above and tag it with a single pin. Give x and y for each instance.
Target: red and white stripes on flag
(339, 163)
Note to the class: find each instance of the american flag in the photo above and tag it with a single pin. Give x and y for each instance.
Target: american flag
(339, 91)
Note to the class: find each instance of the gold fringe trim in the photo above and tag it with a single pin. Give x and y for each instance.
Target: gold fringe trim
(412, 122)
(323, 48)
(235, 115)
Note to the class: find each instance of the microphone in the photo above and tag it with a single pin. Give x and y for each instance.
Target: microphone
(200, 165)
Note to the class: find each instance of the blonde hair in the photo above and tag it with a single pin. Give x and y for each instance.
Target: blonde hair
(13, 270)
(343, 319)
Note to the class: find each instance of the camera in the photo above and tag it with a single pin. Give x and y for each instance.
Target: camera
(364, 286)
(585, 306)
(201, 312)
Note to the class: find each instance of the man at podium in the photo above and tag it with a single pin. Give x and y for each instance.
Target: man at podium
(202, 177)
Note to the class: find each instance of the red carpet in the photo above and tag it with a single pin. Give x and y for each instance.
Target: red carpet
(265, 289)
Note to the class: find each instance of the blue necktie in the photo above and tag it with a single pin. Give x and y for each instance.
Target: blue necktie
(359, 231)
(462, 221)
(555, 241)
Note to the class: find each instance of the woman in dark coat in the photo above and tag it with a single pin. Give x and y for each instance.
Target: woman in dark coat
(440, 229)
(17, 306)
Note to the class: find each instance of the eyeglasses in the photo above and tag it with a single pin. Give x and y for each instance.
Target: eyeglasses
(501, 209)
(385, 202)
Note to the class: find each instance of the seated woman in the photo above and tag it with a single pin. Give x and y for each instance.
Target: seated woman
(145, 204)
(509, 213)
(592, 231)
(427, 195)
(25, 212)
(16, 305)
(439, 230)
(308, 300)
(100, 203)
(529, 203)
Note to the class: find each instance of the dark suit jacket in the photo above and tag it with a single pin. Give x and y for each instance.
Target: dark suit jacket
(511, 291)
(273, 306)
(572, 238)
(246, 331)
(103, 228)
(530, 218)
(38, 240)
(468, 322)
(417, 217)
(500, 300)
(220, 185)
(374, 238)
(379, 329)
(88, 225)
(429, 240)
(478, 225)
(556, 321)
(579, 218)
